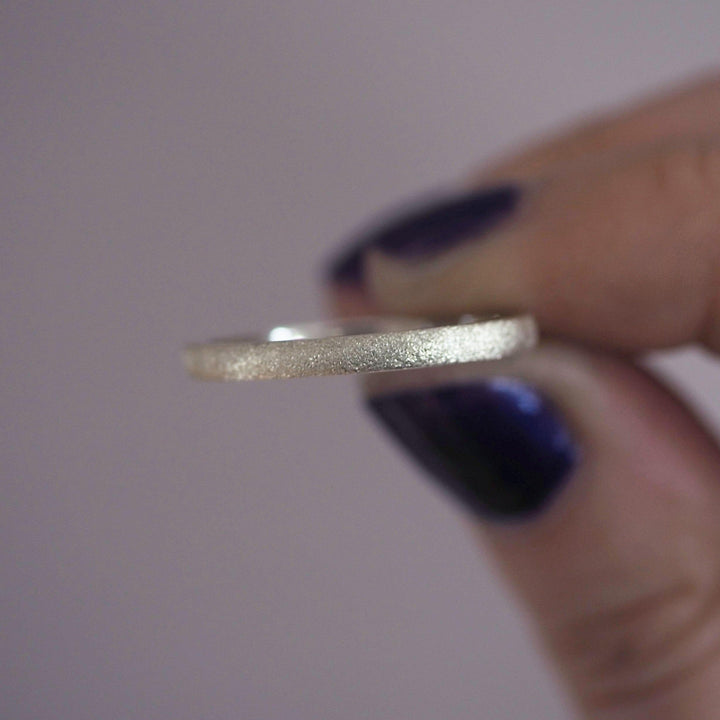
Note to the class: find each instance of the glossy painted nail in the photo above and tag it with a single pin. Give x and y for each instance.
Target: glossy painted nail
(431, 230)
(499, 445)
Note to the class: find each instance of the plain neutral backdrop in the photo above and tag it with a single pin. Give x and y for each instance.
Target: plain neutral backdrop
(173, 171)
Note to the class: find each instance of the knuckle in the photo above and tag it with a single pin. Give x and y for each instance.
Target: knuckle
(643, 648)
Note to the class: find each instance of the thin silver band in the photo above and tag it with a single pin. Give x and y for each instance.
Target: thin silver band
(359, 346)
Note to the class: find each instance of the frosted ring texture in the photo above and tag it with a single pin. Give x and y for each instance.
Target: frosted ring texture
(373, 344)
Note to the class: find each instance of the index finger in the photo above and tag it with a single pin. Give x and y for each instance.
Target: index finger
(623, 255)
(692, 109)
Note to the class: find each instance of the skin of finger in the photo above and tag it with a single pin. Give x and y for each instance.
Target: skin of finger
(621, 571)
(623, 256)
(639, 602)
(692, 109)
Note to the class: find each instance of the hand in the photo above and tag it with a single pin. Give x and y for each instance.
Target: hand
(596, 488)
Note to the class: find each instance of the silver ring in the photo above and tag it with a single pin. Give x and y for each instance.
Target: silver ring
(359, 346)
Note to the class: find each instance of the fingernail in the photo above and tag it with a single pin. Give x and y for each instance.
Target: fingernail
(499, 446)
(423, 233)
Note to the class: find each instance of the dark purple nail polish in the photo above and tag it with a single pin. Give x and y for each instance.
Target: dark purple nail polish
(429, 231)
(499, 445)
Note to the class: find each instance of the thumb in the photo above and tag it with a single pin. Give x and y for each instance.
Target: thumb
(600, 498)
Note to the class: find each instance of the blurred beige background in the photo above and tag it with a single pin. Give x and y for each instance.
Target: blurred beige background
(174, 171)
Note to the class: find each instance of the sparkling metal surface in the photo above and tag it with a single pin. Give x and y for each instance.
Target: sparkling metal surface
(365, 346)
